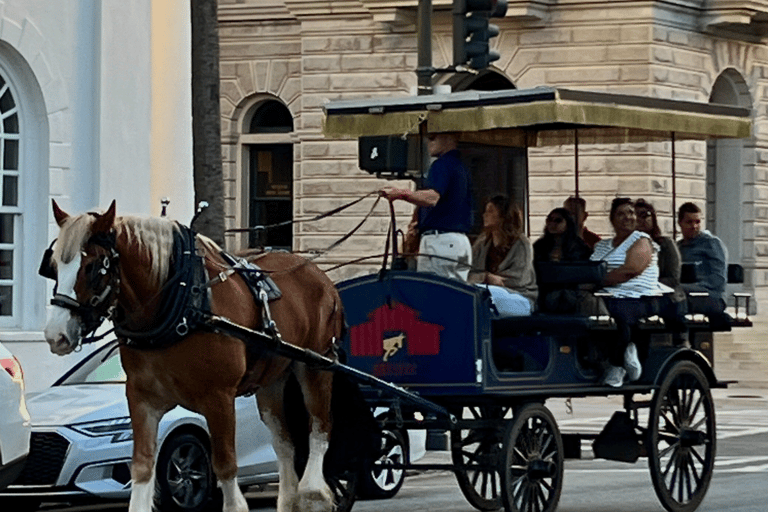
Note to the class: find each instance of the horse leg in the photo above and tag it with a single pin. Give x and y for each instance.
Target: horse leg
(316, 386)
(219, 412)
(270, 400)
(144, 421)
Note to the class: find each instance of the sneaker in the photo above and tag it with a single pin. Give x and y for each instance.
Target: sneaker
(632, 363)
(614, 376)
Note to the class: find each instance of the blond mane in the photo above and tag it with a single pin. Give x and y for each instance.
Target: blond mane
(153, 237)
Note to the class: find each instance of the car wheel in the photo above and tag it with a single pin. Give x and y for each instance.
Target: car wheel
(184, 476)
(382, 480)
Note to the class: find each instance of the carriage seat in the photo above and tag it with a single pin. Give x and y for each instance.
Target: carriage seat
(735, 275)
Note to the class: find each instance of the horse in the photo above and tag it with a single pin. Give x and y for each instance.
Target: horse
(122, 267)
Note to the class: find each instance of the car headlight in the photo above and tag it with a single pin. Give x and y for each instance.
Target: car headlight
(118, 428)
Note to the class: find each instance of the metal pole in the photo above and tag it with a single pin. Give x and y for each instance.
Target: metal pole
(576, 160)
(424, 68)
(674, 191)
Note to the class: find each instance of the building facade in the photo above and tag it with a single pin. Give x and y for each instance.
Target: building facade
(95, 103)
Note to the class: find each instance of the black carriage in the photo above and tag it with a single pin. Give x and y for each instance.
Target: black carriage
(429, 349)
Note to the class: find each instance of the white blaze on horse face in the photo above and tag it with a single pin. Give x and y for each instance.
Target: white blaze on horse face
(62, 330)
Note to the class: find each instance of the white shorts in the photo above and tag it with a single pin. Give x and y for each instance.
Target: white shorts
(455, 253)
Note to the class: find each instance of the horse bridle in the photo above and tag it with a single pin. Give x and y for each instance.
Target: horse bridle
(104, 270)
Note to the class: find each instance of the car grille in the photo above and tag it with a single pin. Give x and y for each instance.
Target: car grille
(46, 458)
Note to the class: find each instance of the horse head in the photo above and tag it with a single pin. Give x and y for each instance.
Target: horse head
(84, 262)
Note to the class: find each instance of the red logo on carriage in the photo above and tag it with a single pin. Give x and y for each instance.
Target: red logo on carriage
(388, 329)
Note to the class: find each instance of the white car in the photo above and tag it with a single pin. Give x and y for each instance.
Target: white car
(82, 443)
(14, 418)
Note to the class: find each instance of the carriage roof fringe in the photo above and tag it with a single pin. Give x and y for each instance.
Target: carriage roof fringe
(542, 116)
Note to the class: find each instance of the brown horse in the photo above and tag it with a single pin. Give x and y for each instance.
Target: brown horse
(119, 267)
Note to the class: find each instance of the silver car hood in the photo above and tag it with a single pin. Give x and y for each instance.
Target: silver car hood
(66, 405)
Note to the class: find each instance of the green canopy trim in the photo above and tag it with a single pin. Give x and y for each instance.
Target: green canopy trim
(543, 116)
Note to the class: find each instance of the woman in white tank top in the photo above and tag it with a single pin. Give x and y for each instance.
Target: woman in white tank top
(633, 284)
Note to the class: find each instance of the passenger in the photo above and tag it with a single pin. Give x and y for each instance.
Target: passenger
(444, 210)
(578, 208)
(503, 259)
(561, 242)
(673, 306)
(710, 257)
(632, 283)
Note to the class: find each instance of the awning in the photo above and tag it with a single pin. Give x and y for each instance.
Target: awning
(544, 116)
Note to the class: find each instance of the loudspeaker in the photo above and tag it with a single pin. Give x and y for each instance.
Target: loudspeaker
(383, 154)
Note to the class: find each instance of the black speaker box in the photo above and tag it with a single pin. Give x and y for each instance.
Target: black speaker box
(383, 154)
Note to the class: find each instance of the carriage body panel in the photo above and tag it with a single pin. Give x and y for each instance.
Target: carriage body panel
(437, 337)
(417, 330)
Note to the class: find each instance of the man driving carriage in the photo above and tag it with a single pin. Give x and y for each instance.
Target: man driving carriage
(444, 210)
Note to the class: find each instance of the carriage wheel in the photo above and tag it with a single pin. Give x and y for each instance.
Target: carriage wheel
(532, 473)
(476, 454)
(681, 438)
(344, 487)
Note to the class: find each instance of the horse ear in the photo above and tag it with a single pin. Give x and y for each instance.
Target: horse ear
(59, 214)
(104, 222)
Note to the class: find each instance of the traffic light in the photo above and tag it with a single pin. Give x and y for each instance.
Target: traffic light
(472, 31)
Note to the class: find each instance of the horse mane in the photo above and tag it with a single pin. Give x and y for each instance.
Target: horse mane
(153, 237)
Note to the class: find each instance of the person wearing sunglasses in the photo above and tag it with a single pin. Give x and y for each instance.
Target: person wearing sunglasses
(674, 306)
(631, 287)
(561, 243)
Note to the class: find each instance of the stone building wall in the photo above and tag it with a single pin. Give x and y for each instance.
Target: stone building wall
(304, 54)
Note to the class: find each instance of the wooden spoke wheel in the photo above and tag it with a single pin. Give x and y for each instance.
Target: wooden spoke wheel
(681, 438)
(476, 454)
(344, 487)
(532, 471)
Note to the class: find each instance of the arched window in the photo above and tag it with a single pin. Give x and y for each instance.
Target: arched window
(10, 206)
(270, 175)
(726, 168)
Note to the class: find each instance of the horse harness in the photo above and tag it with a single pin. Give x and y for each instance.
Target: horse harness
(185, 305)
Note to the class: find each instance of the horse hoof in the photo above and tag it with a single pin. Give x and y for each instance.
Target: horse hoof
(316, 501)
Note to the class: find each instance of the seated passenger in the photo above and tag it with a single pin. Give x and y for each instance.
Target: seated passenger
(674, 306)
(578, 208)
(708, 253)
(561, 242)
(502, 258)
(632, 283)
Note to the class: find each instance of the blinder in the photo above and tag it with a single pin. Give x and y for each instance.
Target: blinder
(91, 314)
(47, 269)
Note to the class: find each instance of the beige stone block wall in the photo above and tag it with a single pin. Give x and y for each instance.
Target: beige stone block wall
(305, 60)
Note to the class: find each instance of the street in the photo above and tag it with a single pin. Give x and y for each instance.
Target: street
(738, 484)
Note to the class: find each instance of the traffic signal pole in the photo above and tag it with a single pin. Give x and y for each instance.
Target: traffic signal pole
(424, 69)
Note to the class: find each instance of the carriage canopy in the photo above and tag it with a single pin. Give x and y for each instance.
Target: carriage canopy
(542, 116)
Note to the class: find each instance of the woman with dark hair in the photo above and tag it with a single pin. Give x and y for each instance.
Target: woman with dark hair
(631, 284)
(674, 307)
(561, 242)
(502, 259)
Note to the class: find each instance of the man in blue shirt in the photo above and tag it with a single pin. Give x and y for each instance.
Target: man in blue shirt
(445, 210)
(710, 257)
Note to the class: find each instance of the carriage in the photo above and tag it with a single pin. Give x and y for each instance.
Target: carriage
(426, 348)
(486, 378)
